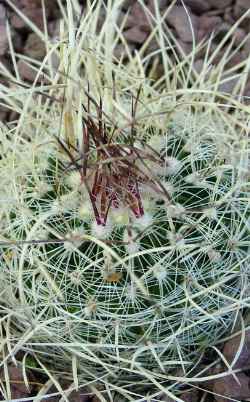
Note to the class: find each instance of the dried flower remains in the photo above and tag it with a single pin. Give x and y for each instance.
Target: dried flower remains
(108, 163)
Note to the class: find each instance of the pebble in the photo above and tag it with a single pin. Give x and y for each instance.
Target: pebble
(241, 6)
(135, 35)
(29, 74)
(34, 14)
(178, 18)
(230, 389)
(239, 35)
(34, 47)
(209, 23)
(246, 46)
(228, 86)
(197, 6)
(219, 3)
(3, 40)
(207, 16)
(229, 15)
(231, 348)
(186, 47)
(2, 14)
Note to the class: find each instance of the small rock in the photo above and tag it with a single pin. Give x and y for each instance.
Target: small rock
(3, 40)
(197, 6)
(165, 398)
(138, 14)
(135, 35)
(186, 47)
(229, 16)
(246, 46)
(13, 116)
(101, 19)
(54, 29)
(18, 41)
(225, 389)
(190, 396)
(3, 114)
(18, 387)
(179, 20)
(34, 47)
(241, 6)
(27, 3)
(80, 396)
(29, 74)
(247, 96)
(120, 51)
(126, 4)
(221, 31)
(209, 23)
(219, 3)
(24, 5)
(95, 399)
(2, 14)
(228, 86)
(206, 50)
(34, 14)
(129, 20)
(231, 348)
(7, 64)
(161, 4)
(239, 35)
(153, 46)
(198, 65)
(25, 71)
(215, 12)
(233, 60)
(186, 396)
(237, 58)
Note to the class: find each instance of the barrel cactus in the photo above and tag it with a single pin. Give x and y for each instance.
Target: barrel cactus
(124, 218)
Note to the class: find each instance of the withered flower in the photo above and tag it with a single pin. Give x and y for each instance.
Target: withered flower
(109, 169)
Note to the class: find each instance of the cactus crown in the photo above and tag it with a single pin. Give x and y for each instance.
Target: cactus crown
(108, 164)
(124, 221)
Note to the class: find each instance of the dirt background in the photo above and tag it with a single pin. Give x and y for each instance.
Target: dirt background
(207, 16)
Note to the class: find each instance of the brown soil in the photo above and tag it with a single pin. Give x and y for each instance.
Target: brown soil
(207, 16)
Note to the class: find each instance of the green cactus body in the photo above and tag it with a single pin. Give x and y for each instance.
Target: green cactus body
(136, 287)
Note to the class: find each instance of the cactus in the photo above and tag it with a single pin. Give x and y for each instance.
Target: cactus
(124, 220)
